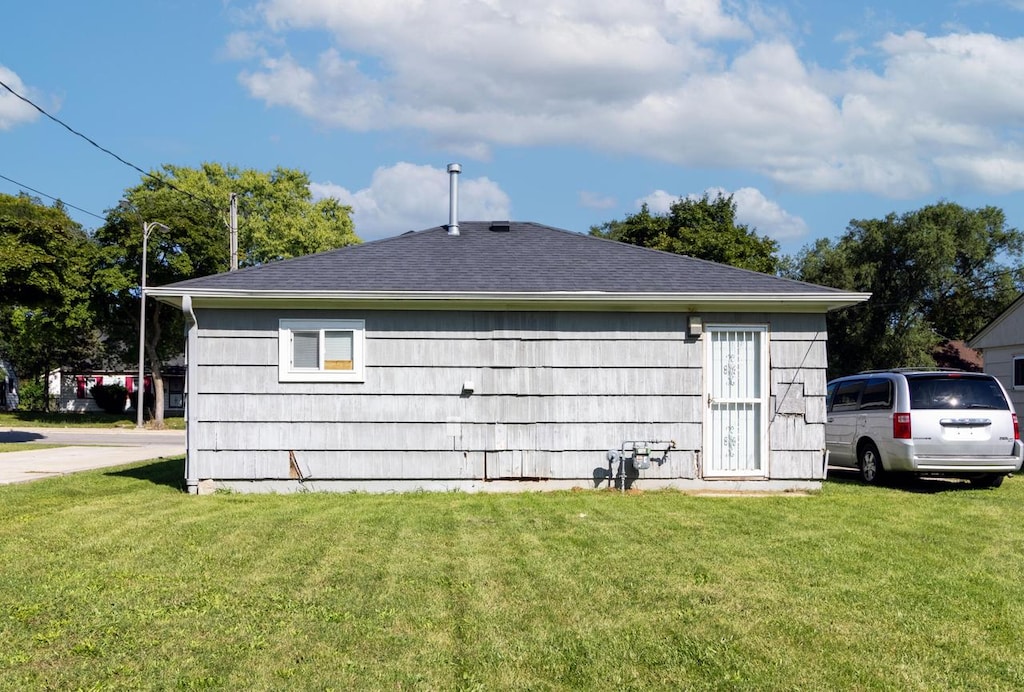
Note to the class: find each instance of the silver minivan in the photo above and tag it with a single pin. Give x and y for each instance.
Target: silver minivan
(934, 422)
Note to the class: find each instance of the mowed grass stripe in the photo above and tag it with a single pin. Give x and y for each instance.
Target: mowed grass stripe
(116, 579)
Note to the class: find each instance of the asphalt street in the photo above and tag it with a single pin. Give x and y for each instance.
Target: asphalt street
(86, 448)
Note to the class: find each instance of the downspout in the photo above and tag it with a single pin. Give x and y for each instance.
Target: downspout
(191, 381)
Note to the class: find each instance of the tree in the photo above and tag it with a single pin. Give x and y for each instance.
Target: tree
(704, 228)
(46, 265)
(278, 219)
(941, 272)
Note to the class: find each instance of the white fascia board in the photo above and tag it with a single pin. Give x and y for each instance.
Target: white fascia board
(581, 300)
(981, 339)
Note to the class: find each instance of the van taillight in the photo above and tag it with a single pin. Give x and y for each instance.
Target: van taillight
(1016, 428)
(901, 426)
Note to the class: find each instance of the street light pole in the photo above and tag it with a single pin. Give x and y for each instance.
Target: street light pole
(147, 228)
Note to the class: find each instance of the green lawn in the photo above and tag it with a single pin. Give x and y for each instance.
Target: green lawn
(40, 419)
(115, 579)
(25, 446)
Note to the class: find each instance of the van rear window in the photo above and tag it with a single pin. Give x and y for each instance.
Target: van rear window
(945, 392)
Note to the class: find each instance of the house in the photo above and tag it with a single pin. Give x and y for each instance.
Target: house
(955, 354)
(8, 387)
(497, 356)
(70, 389)
(1001, 342)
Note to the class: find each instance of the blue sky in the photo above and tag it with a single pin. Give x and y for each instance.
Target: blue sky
(564, 112)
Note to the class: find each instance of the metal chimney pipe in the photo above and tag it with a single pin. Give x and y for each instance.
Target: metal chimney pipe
(453, 198)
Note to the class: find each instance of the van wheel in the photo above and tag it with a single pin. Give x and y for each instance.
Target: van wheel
(988, 480)
(870, 464)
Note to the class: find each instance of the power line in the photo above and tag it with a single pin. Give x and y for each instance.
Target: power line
(55, 199)
(108, 151)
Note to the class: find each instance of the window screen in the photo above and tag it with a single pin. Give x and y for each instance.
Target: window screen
(1018, 371)
(306, 349)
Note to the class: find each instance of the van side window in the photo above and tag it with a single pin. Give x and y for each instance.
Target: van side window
(829, 393)
(877, 394)
(847, 396)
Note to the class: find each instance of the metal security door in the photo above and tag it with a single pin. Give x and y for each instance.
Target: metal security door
(735, 422)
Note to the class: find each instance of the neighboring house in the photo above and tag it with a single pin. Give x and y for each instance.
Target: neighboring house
(70, 389)
(955, 354)
(8, 387)
(503, 355)
(1001, 342)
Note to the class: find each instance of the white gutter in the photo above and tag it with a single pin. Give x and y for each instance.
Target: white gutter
(458, 300)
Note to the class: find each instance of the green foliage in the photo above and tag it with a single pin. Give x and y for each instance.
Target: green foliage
(110, 397)
(704, 228)
(46, 265)
(277, 220)
(148, 401)
(77, 419)
(941, 272)
(39, 248)
(32, 395)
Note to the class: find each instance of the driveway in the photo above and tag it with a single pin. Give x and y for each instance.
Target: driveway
(89, 448)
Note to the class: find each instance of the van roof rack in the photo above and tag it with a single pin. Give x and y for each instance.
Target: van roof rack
(921, 369)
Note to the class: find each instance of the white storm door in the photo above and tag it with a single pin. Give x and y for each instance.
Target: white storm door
(735, 421)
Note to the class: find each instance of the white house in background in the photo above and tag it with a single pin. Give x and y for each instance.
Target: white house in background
(1002, 344)
(69, 389)
(498, 356)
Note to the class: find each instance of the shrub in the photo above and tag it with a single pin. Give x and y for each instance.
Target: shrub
(31, 395)
(109, 397)
(148, 402)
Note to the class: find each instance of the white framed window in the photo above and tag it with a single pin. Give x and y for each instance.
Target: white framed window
(1018, 372)
(321, 350)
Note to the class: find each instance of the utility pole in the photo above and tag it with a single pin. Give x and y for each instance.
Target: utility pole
(147, 228)
(233, 228)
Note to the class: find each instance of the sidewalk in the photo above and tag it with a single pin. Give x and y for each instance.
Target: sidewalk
(74, 435)
(29, 465)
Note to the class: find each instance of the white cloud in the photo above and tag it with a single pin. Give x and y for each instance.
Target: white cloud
(691, 82)
(593, 200)
(757, 211)
(752, 208)
(410, 197)
(999, 172)
(336, 92)
(658, 202)
(501, 71)
(14, 111)
(244, 45)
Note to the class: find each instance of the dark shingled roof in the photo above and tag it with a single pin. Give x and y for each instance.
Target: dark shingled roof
(498, 257)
